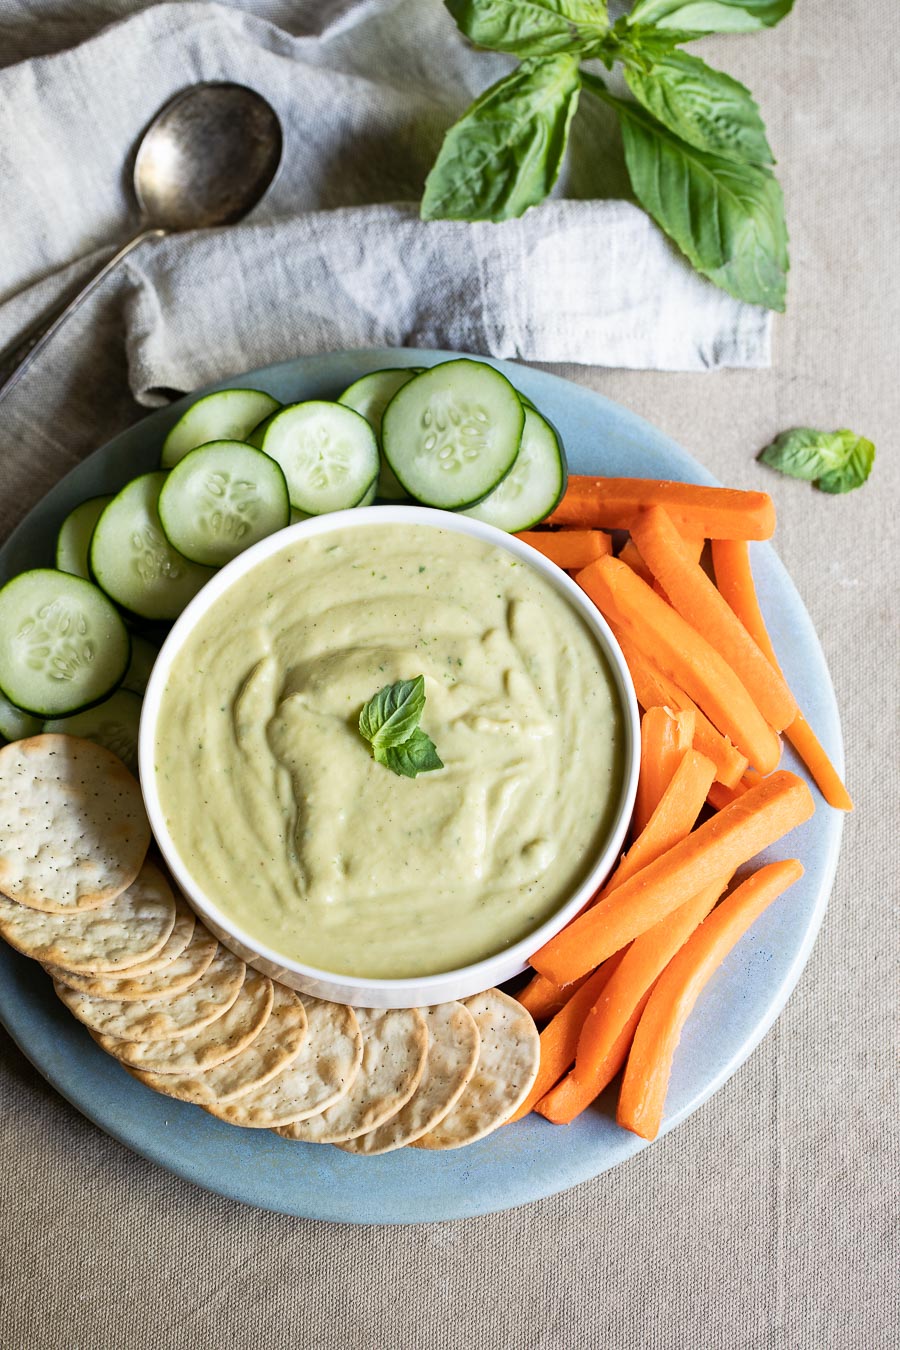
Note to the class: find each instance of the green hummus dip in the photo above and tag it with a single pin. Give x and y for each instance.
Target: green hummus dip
(301, 839)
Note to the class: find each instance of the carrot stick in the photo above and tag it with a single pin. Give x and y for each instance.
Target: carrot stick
(684, 655)
(544, 999)
(600, 1053)
(629, 555)
(714, 513)
(560, 1037)
(569, 549)
(646, 1080)
(652, 687)
(665, 736)
(673, 819)
(694, 545)
(696, 599)
(719, 796)
(731, 562)
(716, 848)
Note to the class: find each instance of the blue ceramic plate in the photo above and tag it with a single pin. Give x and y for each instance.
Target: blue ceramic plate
(533, 1158)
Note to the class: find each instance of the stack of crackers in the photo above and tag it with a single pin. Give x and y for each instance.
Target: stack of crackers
(188, 1018)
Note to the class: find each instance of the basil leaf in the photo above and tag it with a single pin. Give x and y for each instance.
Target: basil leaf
(416, 755)
(835, 461)
(641, 46)
(728, 218)
(393, 714)
(505, 153)
(704, 107)
(531, 27)
(711, 16)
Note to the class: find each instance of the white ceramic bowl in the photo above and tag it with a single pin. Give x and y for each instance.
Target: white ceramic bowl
(421, 990)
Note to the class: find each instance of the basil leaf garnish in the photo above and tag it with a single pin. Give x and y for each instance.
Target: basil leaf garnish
(834, 461)
(711, 16)
(417, 755)
(531, 27)
(390, 723)
(504, 154)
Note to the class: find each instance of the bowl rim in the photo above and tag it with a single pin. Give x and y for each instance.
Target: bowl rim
(419, 990)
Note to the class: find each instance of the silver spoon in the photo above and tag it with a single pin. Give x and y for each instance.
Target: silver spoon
(206, 159)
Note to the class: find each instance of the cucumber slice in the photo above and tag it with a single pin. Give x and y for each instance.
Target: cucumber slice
(220, 499)
(132, 559)
(328, 453)
(113, 723)
(229, 415)
(258, 434)
(74, 539)
(64, 646)
(297, 516)
(15, 725)
(368, 498)
(451, 435)
(534, 484)
(369, 396)
(143, 659)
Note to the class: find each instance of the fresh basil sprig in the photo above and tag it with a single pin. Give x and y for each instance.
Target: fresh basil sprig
(833, 461)
(695, 144)
(390, 723)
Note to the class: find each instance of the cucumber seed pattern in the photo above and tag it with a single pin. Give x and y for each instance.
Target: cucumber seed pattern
(325, 458)
(227, 506)
(57, 641)
(153, 558)
(454, 433)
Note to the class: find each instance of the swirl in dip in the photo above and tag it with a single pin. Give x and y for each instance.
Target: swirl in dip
(290, 827)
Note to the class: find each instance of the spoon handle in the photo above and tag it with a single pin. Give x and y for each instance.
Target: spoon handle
(17, 358)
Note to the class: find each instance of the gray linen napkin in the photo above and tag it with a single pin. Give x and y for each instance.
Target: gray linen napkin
(335, 256)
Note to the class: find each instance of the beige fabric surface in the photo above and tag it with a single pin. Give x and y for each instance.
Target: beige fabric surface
(769, 1219)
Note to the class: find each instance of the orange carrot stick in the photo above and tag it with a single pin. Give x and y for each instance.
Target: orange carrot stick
(696, 599)
(544, 999)
(719, 796)
(569, 549)
(673, 819)
(600, 1053)
(665, 736)
(731, 562)
(714, 513)
(684, 655)
(694, 545)
(560, 1037)
(716, 848)
(629, 555)
(646, 1080)
(652, 687)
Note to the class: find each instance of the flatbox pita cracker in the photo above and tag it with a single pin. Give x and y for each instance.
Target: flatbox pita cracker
(395, 1046)
(73, 829)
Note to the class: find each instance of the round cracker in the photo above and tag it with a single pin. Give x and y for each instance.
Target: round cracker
(133, 926)
(73, 829)
(211, 1045)
(174, 977)
(163, 1018)
(453, 1044)
(395, 1046)
(507, 1066)
(321, 1074)
(276, 1046)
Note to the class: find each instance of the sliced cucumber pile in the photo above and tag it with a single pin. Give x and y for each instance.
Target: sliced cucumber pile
(220, 499)
(328, 453)
(534, 484)
(369, 396)
(229, 415)
(64, 644)
(451, 434)
(133, 561)
(113, 723)
(74, 539)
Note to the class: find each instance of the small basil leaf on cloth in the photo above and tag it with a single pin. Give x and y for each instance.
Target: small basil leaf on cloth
(393, 714)
(531, 27)
(834, 461)
(704, 107)
(417, 755)
(727, 218)
(504, 154)
(711, 16)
